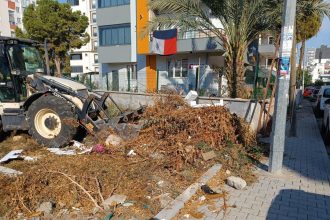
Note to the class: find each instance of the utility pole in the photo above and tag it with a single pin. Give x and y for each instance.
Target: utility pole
(46, 57)
(283, 79)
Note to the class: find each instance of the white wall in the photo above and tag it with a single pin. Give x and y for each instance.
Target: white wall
(133, 31)
(4, 19)
(107, 70)
(208, 80)
(142, 73)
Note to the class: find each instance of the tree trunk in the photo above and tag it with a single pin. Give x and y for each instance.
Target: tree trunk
(277, 47)
(235, 69)
(58, 65)
(301, 59)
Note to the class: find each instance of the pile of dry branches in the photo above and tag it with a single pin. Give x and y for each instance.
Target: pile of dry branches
(182, 133)
(170, 147)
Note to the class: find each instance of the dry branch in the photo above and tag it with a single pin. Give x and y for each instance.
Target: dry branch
(80, 186)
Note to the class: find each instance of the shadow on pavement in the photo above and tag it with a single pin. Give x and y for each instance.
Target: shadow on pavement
(298, 204)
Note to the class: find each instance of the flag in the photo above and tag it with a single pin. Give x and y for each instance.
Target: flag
(164, 42)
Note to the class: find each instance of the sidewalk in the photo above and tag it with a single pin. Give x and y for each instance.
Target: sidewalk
(302, 189)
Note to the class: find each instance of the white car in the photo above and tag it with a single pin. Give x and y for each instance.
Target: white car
(324, 94)
(326, 122)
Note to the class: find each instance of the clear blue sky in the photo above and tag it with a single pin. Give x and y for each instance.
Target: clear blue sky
(323, 37)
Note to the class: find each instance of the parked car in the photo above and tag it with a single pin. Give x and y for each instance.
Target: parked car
(326, 122)
(323, 95)
(308, 92)
(314, 95)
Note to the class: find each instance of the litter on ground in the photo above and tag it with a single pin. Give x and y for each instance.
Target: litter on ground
(12, 155)
(8, 171)
(59, 151)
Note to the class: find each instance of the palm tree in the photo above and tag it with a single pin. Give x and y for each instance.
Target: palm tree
(309, 21)
(242, 21)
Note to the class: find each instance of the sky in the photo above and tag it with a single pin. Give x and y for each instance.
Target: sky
(323, 37)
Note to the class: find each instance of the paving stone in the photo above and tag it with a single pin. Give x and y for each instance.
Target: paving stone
(254, 217)
(301, 192)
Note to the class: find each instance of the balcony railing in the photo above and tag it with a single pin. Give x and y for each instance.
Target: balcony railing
(194, 34)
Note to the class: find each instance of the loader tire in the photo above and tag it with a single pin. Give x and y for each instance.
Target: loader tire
(50, 120)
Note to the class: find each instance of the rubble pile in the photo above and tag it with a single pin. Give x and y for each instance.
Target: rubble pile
(176, 145)
(190, 136)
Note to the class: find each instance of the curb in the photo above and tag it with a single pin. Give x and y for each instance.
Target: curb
(174, 207)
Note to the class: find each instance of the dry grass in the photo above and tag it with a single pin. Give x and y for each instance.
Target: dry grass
(168, 148)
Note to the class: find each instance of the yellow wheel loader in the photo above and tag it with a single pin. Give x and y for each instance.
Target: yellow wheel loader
(50, 108)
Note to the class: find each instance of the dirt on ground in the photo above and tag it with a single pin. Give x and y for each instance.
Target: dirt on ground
(168, 155)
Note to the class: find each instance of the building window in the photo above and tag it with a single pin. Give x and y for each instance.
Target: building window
(96, 58)
(17, 9)
(271, 40)
(19, 20)
(73, 2)
(94, 45)
(11, 17)
(76, 57)
(269, 62)
(115, 35)
(93, 4)
(94, 17)
(178, 68)
(77, 69)
(94, 31)
(112, 3)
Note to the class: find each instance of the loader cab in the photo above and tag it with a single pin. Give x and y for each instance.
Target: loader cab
(18, 59)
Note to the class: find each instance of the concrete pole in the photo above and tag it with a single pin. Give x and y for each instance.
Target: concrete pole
(283, 79)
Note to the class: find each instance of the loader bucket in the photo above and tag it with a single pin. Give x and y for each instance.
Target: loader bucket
(125, 124)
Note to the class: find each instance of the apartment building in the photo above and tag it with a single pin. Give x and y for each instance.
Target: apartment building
(310, 56)
(266, 50)
(320, 66)
(127, 62)
(11, 15)
(85, 59)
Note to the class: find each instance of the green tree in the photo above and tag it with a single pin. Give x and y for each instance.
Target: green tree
(318, 82)
(242, 21)
(307, 78)
(63, 28)
(309, 21)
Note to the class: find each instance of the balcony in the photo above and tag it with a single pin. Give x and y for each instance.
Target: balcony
(11, 5)
(114, 54)
(196, 41)
(13, 25)
(113, 15)
(267, 49)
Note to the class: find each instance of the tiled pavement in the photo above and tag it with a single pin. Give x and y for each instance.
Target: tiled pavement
(300, 191)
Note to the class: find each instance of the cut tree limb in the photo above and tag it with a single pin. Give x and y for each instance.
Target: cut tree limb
(80, 186)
